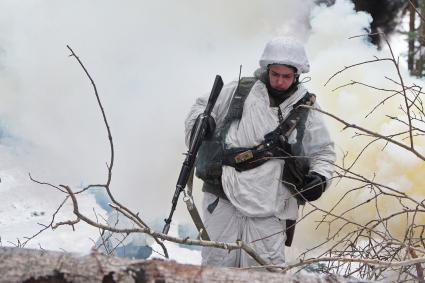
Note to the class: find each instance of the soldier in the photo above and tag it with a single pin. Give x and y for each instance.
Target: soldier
(254, 204)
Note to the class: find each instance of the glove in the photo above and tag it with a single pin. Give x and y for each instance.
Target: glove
(314, 186)
(210, 127)
(209, 130)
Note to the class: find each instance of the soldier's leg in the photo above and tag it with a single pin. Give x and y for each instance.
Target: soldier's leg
(222, 226)
(266, 236)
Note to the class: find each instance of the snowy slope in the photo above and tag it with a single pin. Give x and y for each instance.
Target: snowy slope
(24, 205)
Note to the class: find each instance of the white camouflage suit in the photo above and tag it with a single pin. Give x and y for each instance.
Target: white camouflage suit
(259, 203)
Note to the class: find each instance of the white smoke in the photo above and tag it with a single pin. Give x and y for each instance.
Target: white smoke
(149, 60)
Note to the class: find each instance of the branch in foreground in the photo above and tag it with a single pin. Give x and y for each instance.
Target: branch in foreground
(349, 125)
(374, 262)
(111, 144)
(228, 246)
(355, 65)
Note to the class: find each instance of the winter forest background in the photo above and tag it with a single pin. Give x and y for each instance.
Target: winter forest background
(150, 60)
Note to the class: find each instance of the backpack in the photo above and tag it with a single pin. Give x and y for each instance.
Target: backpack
(208, 163)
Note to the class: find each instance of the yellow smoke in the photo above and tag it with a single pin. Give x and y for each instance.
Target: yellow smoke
(331, 51)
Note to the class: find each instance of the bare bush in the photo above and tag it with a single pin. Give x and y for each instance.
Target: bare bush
(375, 249)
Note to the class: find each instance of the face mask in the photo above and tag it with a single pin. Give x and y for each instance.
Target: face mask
(280, 96)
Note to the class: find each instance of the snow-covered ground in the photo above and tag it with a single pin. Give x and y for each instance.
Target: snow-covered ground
(23, 207)
(25, 204)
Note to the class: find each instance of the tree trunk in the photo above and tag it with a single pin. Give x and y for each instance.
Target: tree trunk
(420, 37)
(38, 266)
(411, 37)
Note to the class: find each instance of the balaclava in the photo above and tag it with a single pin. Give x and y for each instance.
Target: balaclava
(280, 95)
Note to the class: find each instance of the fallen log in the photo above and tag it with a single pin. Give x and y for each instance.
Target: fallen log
(41, 266)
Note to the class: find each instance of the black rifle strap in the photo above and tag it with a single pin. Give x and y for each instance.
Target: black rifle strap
(236, 105)
(243, 159)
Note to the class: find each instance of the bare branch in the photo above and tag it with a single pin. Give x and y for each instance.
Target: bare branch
(376, 263)
(349, 125)
(111, 144)
(355, 65)
(416, 10)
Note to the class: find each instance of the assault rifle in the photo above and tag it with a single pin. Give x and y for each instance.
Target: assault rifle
(198, 135)
(275, 143)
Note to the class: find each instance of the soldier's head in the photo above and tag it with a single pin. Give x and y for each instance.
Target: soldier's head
(281, 77)
(285, 59)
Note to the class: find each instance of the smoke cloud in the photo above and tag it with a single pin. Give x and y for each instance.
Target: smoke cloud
(331, 50)
(150, 60)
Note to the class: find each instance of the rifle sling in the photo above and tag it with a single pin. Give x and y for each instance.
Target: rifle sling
(243, 159)
(193, 211)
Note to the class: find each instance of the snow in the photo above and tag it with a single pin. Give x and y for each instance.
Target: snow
(176, 252)
(23, 207)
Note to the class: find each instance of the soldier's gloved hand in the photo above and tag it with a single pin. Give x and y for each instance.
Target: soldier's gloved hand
(314, 186)
(209, 130)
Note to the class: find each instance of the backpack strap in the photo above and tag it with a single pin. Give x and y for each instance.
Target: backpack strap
(234, 113)
(235, 110)
(308, 99)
